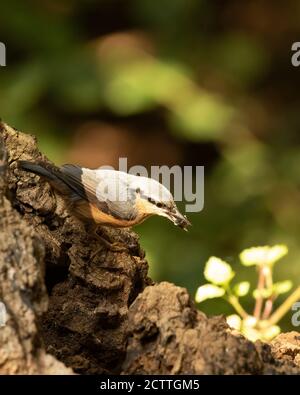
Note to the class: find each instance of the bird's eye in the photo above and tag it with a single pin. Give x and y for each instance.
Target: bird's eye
(159, 205)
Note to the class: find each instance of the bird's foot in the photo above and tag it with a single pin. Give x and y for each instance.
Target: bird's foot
(111, 246)
(114, 247)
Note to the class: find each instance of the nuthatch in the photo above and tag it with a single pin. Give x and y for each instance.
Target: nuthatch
(109, 197)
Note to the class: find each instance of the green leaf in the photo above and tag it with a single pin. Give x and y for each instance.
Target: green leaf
(217, 271)
(262, 293)
(282, 287)
(208, 291)
(242, 288)
(265, 255)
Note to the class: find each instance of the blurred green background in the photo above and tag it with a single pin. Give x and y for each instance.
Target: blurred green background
(188, 82)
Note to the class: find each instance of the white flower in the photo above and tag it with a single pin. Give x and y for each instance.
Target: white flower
(263, 255)
(217, 271)
(250, 321)
(208, 291)
(282, 287)
(241, 289)
(234, 321)
(262, 293)
(271, 332)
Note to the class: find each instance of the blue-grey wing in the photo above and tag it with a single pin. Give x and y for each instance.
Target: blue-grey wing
(99, 189)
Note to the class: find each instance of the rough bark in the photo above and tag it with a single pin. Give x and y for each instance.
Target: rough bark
(22, 291)
(168, 335)
(75, 306)
(286, 346)
(89, 294)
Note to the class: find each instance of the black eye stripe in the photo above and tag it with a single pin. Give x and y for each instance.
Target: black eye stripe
(157, 204)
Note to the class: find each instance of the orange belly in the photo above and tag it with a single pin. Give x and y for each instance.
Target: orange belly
(86, 210)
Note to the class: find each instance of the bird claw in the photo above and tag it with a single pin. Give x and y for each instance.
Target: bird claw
(114, 247)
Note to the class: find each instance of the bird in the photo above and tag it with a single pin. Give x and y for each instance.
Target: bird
(108, 197)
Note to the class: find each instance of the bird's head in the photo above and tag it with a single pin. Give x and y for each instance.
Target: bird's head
(153, 198)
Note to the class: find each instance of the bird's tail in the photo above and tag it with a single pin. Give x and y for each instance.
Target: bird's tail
(66, 179)
(42, 169)
(50, 172)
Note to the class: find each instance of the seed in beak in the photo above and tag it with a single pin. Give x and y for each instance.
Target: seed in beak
(181, 221)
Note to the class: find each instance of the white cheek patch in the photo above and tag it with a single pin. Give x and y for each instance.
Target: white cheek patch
(153, 189)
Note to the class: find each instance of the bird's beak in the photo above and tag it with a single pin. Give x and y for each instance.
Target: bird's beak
(179, 220)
